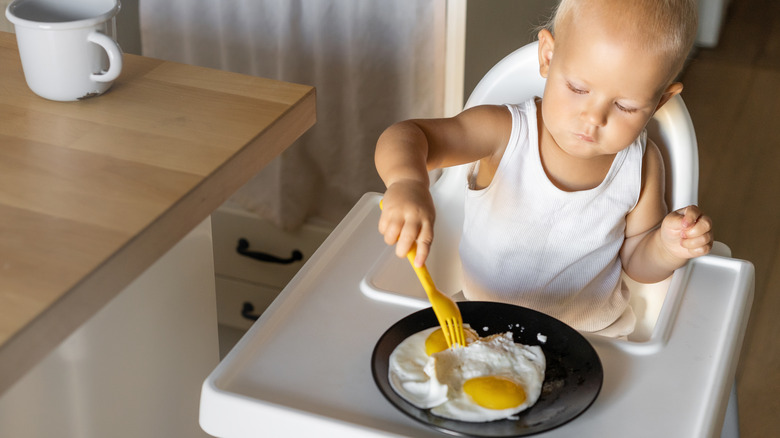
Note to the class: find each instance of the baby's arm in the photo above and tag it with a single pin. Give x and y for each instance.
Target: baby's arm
(658, 243)
(406, 151)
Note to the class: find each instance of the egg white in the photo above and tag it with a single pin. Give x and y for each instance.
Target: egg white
(409, 373)
(436, 382)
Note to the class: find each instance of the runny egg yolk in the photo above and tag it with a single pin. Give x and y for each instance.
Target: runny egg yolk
(494, 392)
(435, 342)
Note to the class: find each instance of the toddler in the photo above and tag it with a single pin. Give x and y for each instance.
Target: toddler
(566, 190)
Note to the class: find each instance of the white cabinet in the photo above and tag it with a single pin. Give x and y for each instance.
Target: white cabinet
(247, 283)
(136, 367)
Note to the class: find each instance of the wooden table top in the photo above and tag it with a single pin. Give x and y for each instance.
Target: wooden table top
(94, 192)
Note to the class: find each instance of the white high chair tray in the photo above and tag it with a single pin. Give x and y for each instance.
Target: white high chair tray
(304, 368)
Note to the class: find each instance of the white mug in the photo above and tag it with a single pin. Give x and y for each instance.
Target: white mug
(67, 47)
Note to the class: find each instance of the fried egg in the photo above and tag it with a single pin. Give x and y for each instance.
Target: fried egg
(489, 379)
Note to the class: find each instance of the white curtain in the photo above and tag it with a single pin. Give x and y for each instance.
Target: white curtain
(372, 62)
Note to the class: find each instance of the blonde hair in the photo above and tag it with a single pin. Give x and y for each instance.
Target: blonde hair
(668, 26)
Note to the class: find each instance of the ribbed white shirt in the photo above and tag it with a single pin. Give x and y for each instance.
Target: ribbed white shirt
(527, 242)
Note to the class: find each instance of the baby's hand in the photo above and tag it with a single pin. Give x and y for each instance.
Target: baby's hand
(407, 218)
(687, 233)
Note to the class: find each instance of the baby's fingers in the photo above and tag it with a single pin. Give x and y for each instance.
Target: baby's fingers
(699, 245)
(682, 219)
(423, 242)
(406, 240)
(695, 231)
(701, 227)
(404, 234)
(390, 228)
(698, 237)
(415, 234)
(690, 215)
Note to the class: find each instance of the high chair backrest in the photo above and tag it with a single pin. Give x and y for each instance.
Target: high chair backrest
(515, 79)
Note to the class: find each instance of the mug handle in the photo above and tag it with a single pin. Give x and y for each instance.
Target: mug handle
(114, 57)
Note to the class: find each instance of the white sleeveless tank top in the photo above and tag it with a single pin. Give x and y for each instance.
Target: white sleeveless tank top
(527, 242)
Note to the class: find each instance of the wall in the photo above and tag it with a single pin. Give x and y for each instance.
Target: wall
(127, 27)
(495, 28)
(5, 25)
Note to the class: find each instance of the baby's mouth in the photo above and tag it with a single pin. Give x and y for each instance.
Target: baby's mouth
(585, 138)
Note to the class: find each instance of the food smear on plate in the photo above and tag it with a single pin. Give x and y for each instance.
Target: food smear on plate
(491, 378)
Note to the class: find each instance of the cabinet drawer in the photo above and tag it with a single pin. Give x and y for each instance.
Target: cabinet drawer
(232, 295)
(230, 226)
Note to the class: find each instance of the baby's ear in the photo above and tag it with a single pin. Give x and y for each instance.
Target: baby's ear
(546, 46)
(672, 90)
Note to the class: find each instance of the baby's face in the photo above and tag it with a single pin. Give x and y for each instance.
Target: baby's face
(600, 92)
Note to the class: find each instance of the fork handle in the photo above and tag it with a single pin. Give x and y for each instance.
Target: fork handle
(422, 271)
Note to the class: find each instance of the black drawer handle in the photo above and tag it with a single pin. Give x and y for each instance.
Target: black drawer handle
(246, 311)
(243, 249)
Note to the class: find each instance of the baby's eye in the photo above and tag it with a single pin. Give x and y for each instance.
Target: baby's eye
(625, 109)
(575, 89)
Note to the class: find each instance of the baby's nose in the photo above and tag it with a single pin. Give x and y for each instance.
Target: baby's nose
(595, 115)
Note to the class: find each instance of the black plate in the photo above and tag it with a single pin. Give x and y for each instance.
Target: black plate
(572, 381)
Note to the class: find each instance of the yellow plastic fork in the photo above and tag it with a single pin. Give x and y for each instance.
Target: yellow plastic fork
(445, 309)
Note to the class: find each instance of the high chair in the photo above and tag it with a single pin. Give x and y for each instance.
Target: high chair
(305, 364)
